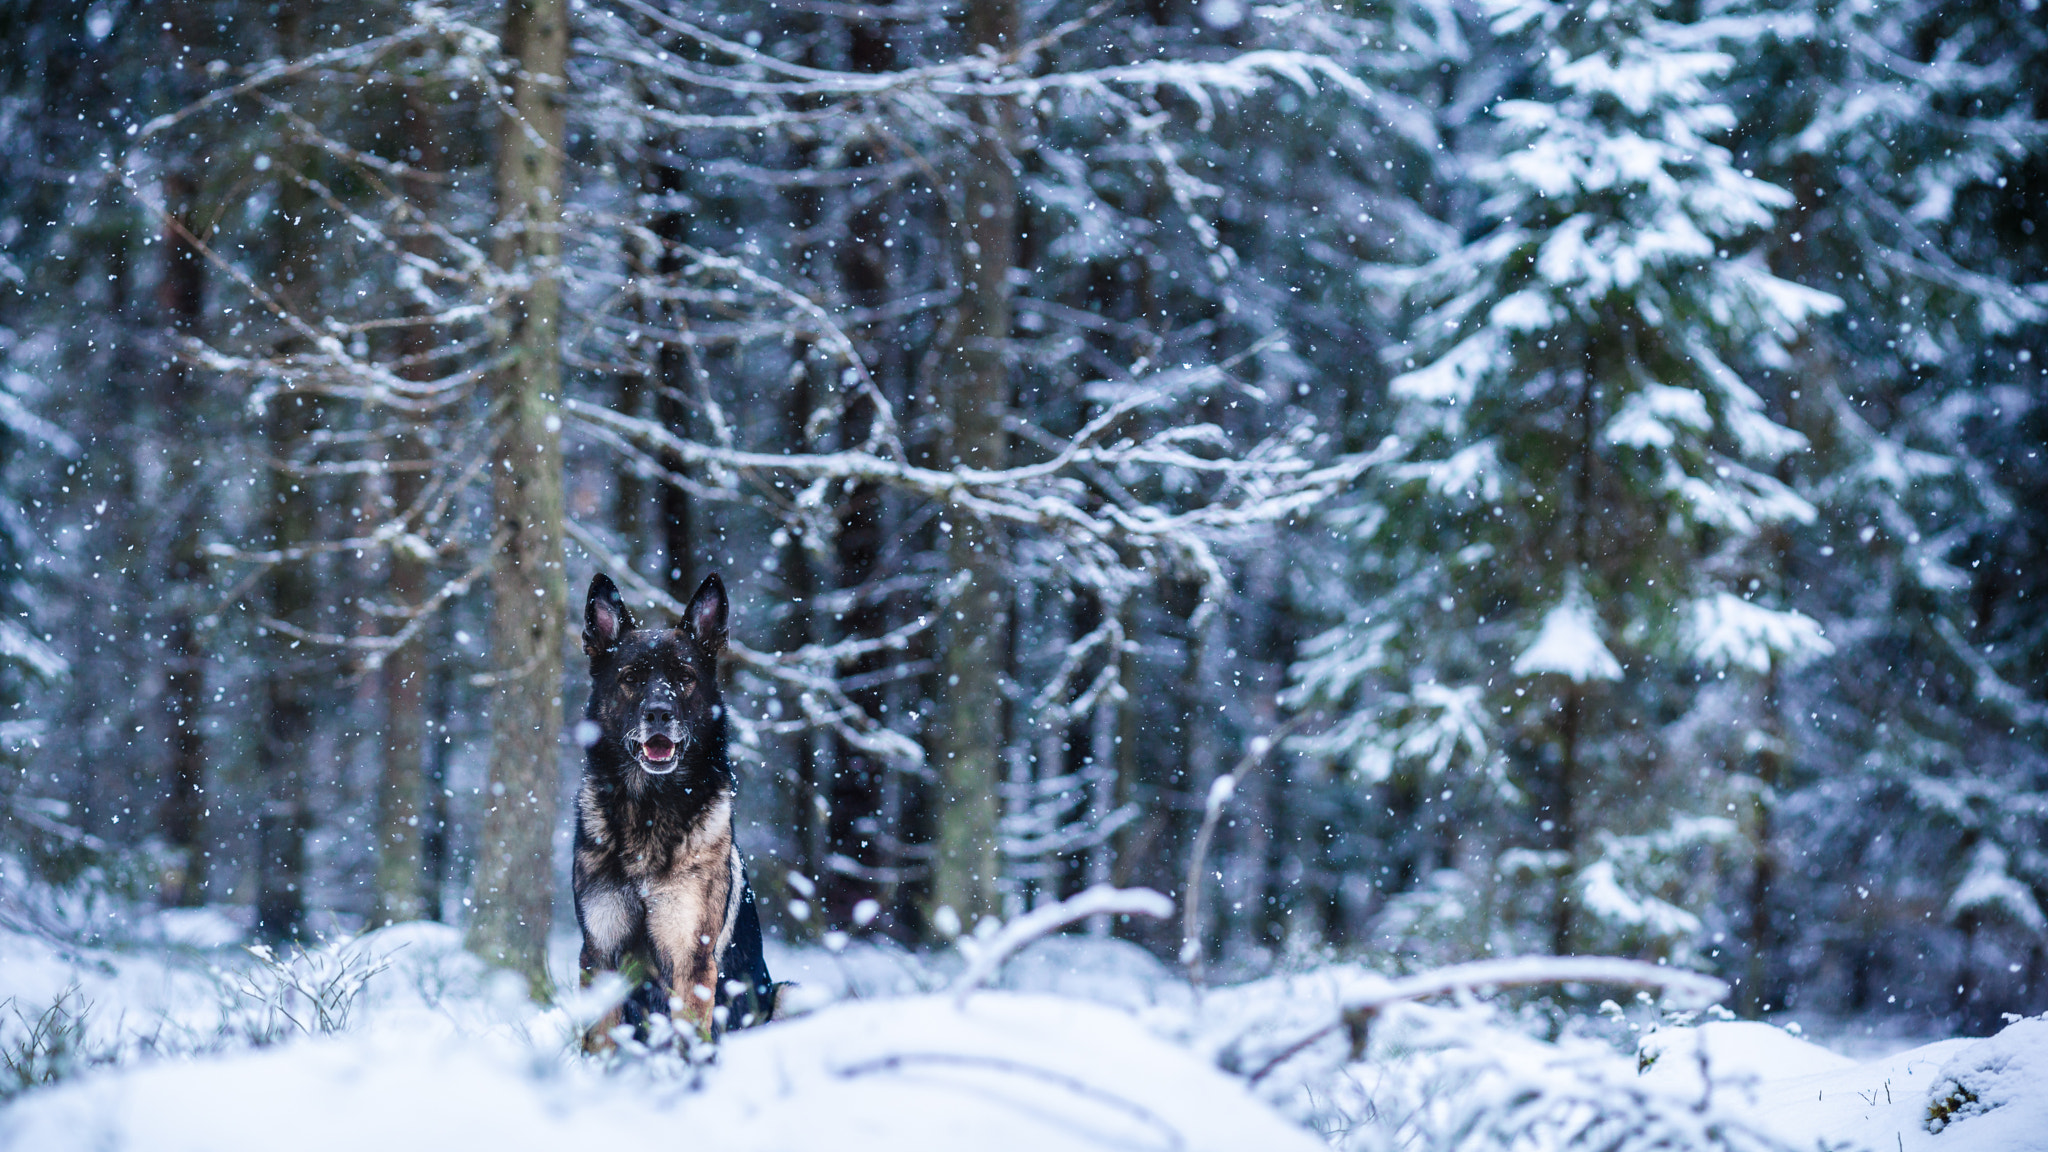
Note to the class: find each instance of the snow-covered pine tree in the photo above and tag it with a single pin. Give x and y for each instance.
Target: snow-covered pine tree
(1906, 130)
(68, 317)
(1569, 538)
(35, 824)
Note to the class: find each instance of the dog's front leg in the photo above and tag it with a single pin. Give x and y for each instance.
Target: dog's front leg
(609, 915)
(685, 920)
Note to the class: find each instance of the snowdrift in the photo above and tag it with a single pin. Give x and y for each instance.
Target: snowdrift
(1004, 1072)
(400, 1041)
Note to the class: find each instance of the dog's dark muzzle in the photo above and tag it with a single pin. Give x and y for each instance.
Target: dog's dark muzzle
(658, 739)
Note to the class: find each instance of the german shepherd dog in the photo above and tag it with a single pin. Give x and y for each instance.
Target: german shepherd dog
(661, 890)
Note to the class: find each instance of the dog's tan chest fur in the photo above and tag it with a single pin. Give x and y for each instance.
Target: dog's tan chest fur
(686, 914)
(684, 890)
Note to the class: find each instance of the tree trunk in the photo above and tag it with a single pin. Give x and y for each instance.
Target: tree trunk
(857, 790)
(287, 728)
(799, 587)
(404, 891)
(672, 385)
(1200, 765)
(1083, 617)
(863, 265)
(1564, 819)
(288, 515)
(633, 388)
(1755, 992)
(514, 892)
(1283, 863)
(1566, 836)
(1103, 783)
(182, 296)
(434, 853)
(967, 864)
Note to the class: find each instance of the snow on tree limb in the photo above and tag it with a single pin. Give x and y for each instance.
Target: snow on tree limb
(1684, 988)
(988, 954)
(1569, 644)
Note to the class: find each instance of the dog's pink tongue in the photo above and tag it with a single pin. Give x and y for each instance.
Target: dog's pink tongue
(659, 748)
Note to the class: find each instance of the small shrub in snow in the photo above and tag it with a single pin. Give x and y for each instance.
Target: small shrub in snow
(314, 993)
(1462, 1080)
(53, 1046)
(1989, 1074)
(1475, 1077)
(1952, 1102)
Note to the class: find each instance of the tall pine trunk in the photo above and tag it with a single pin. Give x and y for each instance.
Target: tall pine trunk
(967, 865)
(858, 820)
(1568, 808)
(404, 891)
(1564, 815)
(1755, 994)
(514, 893)
(287, 728)
(799, 588)
(673, 383)
(288, 517)
(182, 296)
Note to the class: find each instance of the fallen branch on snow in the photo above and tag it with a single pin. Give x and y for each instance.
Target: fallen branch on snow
(1102, 899)
(1693, 988)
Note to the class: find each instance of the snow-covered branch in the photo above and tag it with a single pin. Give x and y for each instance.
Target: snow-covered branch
(1683, 988)
(987, 954)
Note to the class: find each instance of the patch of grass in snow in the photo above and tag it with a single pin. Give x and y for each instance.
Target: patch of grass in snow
(313, 992)
(53, 1046)
(1951, 1102)
(299, 992)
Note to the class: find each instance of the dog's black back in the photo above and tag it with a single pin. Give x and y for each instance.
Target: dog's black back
(661, 892)
(745, 989)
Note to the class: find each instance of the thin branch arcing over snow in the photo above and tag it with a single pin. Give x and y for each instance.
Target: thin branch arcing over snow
(1689, 989)
(1100, 900)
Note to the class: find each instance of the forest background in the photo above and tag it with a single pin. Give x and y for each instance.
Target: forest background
(1575, 467)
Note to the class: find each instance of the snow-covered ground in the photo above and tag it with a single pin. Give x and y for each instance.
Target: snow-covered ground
(1988, 1095)
(399, 1040)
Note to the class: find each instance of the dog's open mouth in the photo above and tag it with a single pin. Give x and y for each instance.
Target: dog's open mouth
(658, 755)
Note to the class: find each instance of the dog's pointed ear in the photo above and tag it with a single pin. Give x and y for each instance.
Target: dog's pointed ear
(705, 617)
(605, 617)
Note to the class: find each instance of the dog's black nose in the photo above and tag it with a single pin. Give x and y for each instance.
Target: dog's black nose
(658, 714)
